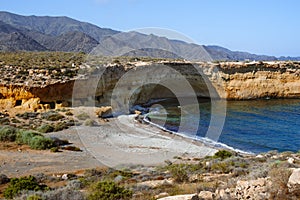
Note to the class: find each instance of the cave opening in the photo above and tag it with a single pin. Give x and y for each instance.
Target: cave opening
(18, 103)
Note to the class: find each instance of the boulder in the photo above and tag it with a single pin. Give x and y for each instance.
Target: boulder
(182, 197)
(295, 177)
(161, 195)
(294, 181)
(64, 177)
(225, 194)
(207, 195)
(156, 183)
(291, 160)
(32, 104)
(104, 111)
(3, 179)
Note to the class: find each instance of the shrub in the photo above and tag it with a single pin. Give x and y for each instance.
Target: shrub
(27, 115)
(24, 137)
(45, 128)
(60, 126)
(279, 177)
(104, 190)
(224, 167)
(89, 122)
(83, 116)
(75, 184)
(8, 134)
(16, 185)
(64, 193)
(41, 143)
(223, 154)
(52, 116)
(179, 172)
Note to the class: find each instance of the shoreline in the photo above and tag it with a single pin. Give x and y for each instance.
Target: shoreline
(203, 140)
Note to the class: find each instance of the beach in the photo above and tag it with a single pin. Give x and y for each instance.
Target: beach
(120, 142)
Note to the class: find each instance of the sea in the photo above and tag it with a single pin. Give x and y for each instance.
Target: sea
(252, 126)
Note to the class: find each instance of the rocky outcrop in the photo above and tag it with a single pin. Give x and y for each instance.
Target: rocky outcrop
(294, 181)
(253, 189)
(260, 80)
(139, 82)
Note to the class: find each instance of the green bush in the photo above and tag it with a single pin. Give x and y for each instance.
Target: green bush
(83, 116)
(60, 126)
(105, 190)
(27, 115)
(223, 154)
(223, 167)
(179, 172)
(41, 143)
(89, 122)
(16, 185)
(8, 134)
(25, 136)
(45, 128)
(52, 116)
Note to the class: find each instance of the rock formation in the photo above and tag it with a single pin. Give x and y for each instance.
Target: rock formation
(139, 82)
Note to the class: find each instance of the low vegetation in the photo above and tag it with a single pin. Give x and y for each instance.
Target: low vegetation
(182, 176)
(32, 138)
(104, 190)
(17, 185)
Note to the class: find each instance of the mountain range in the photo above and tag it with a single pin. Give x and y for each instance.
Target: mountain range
(44, 33)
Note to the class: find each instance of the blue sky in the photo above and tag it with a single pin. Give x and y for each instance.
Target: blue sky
(269, 27)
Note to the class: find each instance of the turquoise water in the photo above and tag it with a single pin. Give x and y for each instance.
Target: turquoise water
(252, 126)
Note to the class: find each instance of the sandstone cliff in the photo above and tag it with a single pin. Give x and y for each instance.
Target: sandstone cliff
(138, 82)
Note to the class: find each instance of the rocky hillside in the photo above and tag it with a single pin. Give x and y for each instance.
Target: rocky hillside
(54, 26)
(12, 39)
(43, 33)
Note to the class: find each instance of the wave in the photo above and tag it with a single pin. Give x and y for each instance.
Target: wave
(204, 140)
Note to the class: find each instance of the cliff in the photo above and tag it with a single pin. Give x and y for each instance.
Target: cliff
(138, 82)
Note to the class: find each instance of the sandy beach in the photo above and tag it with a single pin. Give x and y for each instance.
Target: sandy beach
(120, 142)
(124, 141)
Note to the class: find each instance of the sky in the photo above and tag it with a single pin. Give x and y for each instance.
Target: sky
(270, 27)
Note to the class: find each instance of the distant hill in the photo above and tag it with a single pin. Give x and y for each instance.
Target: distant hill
(44, 33)
(55, 26)
(221, 53)
(72, 41)
(12, 39)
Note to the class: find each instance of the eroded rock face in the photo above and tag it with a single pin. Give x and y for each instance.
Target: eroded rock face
(139, 82)
(253, 189)
(261, 80)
